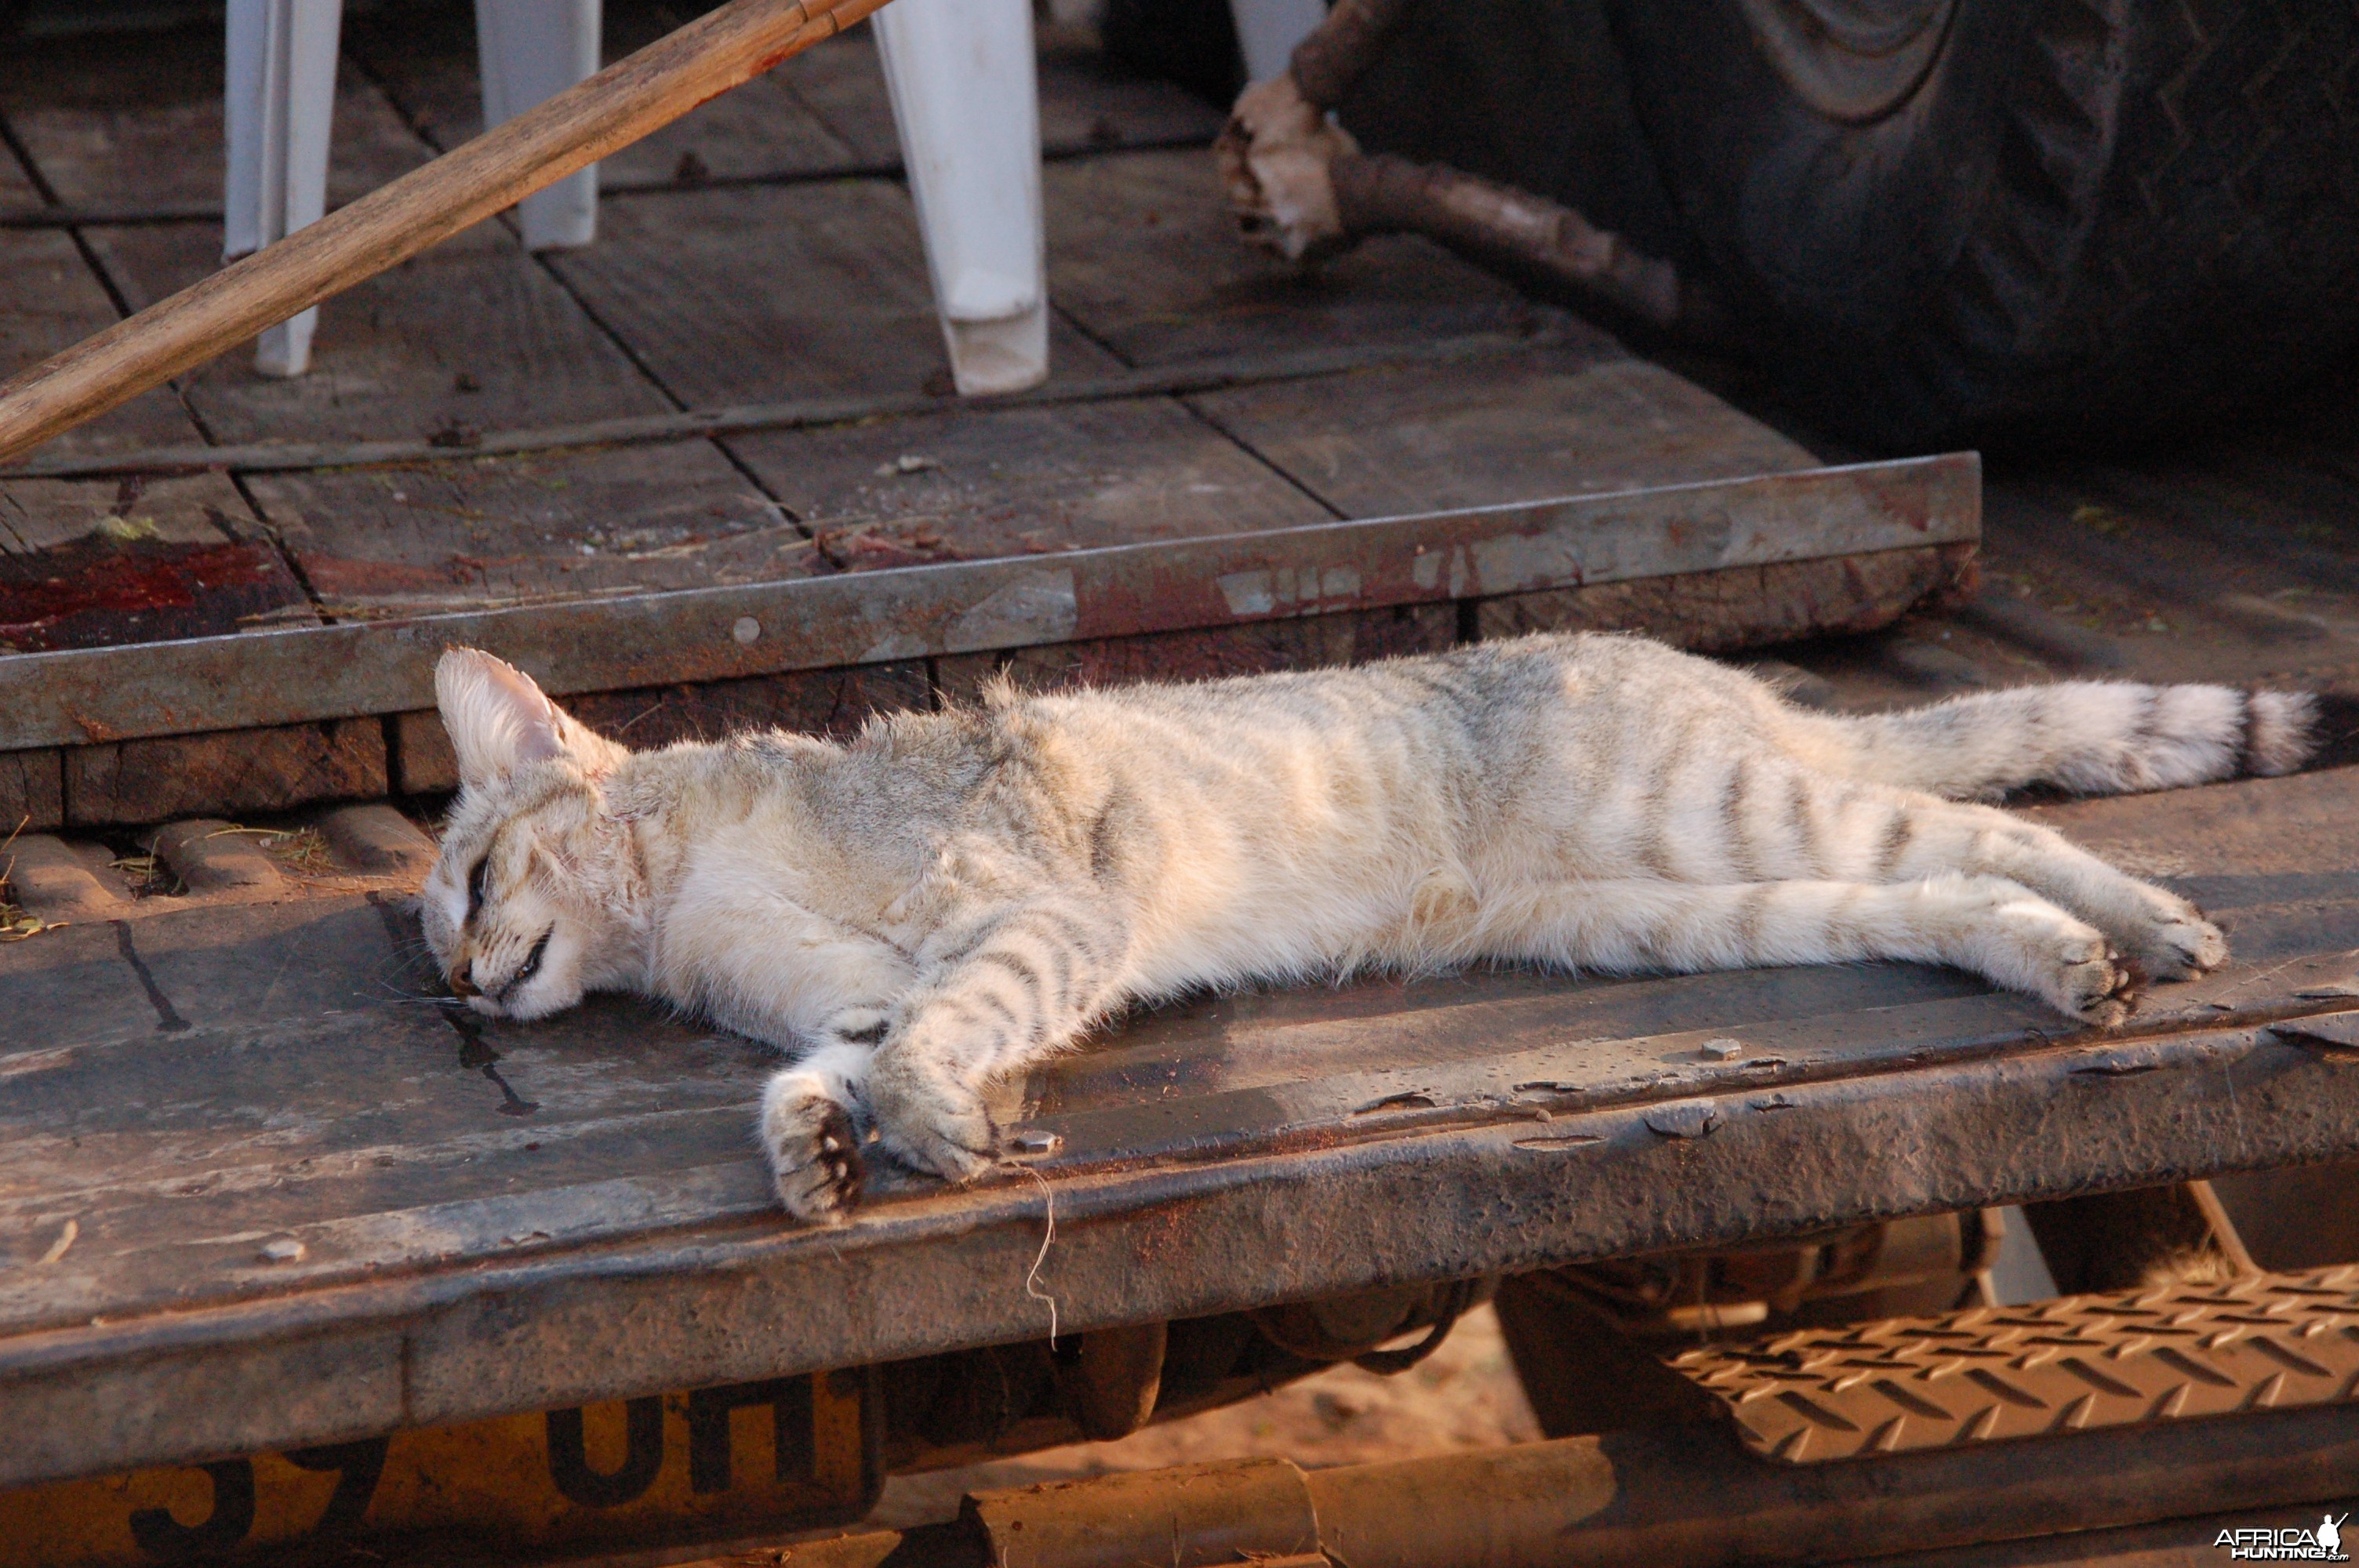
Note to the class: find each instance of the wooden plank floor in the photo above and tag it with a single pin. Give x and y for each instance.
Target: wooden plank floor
(763, 250)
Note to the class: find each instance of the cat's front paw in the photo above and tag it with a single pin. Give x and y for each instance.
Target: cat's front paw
(814, 1150)
(931, 1122)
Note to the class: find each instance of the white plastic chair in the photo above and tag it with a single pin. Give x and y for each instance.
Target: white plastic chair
(282, 87)
(959, 73)
(966, 106)
(281, 100)
(965, 103)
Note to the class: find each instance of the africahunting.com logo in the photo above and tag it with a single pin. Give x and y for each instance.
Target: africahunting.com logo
(2293, 1543)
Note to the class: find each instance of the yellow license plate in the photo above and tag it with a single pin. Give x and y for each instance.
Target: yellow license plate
(787, 1453)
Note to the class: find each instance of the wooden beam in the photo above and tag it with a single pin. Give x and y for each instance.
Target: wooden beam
(613, 109)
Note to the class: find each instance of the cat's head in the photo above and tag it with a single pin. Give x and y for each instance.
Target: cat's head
(530, 902)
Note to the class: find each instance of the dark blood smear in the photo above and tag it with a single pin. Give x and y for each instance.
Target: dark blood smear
(93, 592)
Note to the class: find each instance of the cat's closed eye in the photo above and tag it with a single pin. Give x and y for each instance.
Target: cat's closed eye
(476, 879)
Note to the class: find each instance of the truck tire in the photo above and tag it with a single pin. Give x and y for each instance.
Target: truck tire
(1191, 42)
(1950, 220)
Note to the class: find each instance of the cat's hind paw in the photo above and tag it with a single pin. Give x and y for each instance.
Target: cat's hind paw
(2180, 945)
(932, 1124)
(2092, 981)
(2064, 961)
(814, 1151)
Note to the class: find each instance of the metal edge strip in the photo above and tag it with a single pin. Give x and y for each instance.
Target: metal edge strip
(305, 673)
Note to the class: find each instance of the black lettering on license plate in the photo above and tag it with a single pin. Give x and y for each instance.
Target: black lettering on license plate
(784, 1453)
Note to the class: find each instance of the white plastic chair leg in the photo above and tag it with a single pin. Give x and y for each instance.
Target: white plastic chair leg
(961, 76)
(1267, 30)
(528, 51)
(281, 103)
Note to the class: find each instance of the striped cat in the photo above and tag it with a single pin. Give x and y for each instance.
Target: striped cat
(954, 895)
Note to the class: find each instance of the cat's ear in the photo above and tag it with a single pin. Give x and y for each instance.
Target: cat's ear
(499, 720)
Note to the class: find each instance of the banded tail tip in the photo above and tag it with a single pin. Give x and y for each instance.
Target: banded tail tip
(2334, 732)
(2280, 732)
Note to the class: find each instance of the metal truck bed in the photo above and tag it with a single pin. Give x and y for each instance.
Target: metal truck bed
(262, 1189)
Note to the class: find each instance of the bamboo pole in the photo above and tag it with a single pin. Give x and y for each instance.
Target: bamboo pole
(610, 111)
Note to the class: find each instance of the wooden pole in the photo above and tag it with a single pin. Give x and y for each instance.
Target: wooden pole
(610, 111)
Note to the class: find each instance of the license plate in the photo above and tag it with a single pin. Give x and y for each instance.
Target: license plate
(708, 1464)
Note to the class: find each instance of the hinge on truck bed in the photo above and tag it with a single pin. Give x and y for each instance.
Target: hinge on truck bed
(2258, 1342)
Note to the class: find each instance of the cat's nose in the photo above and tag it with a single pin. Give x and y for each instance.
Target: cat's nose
(462, 980)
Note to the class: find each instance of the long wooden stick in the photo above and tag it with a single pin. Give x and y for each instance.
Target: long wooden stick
(611, 110)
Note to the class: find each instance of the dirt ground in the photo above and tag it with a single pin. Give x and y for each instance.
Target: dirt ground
(1462, 1396)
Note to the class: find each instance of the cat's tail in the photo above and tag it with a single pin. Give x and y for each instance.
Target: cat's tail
(2089, 737)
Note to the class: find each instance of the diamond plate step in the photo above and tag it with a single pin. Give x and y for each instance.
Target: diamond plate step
(2258, 1342)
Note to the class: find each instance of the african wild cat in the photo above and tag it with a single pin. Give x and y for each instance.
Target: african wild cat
(953, 896)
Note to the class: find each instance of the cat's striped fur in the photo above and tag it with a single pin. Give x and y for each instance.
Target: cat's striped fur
(954, 894)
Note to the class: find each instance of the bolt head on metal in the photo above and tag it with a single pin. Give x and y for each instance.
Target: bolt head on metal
(746, 630)
(285, 1249)
(1723, 1050)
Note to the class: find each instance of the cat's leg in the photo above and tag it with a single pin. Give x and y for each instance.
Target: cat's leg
(2168, 935)
(808, 1130)
(1774, 819)
(1019, 985)
(756, 962)
(1996, 928)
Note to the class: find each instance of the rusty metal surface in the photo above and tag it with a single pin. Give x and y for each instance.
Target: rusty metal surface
(1671, 1497)
(2166, 1353)
(1194, 1516)
(474, 1217)
(309, 673)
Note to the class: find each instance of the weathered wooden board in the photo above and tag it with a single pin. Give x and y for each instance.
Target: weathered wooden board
(1578, 416)
(1087, 105)
(116, 124)
(1084, 106)
(1143, 253)
(431, 537)
(91, 562)
(245, 770)
(53, 300)
(518, 1214)
(842, 84)
(470, 336)
(750, 294)
(18, 191)
(973, 484)
(425, 55)
(85, 563)
(1574, 419)
(33, 789)
(823, 113)
(818, 702)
